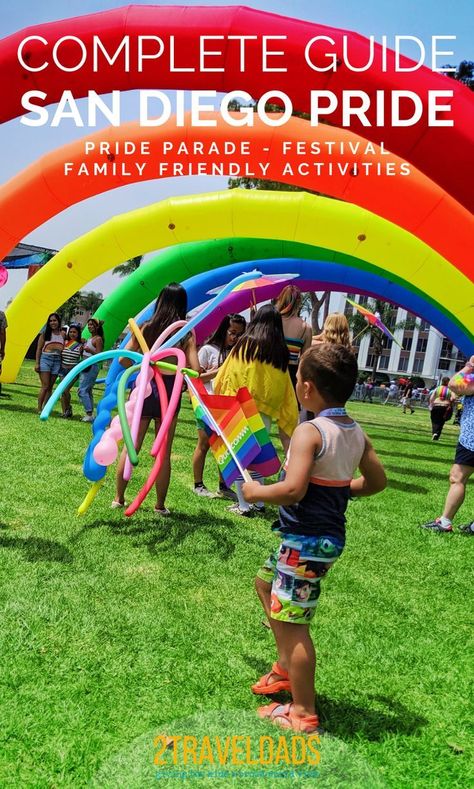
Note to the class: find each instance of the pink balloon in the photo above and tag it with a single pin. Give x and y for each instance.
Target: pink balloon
(138, 395)
(3, 276)
(115, 432)
(159, 445)
(106, 451)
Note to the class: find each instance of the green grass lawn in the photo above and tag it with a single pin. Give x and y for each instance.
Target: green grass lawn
(114, 630)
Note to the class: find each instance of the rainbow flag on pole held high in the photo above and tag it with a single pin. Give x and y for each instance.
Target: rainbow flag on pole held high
(240, 427)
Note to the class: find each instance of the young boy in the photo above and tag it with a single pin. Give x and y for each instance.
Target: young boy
(313, 496)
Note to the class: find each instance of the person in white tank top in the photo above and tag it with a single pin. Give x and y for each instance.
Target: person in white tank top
(48, 357)
(313, 494)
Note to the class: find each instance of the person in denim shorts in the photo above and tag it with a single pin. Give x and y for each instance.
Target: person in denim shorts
(48, 357)
(313, 495)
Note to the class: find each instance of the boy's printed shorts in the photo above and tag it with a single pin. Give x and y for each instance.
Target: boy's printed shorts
(295, 571)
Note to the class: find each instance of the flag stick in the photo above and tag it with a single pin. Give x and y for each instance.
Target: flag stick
(361, 332)
(243, 472)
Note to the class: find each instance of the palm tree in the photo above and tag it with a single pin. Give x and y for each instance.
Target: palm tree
(314, 304)
(378, 340)
(464, 73)
(128, 267)
(90, 301)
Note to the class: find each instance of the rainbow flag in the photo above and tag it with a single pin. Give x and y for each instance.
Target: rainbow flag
(238, 420)
(267, 461)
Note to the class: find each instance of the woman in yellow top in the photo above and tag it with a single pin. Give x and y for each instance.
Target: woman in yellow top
(259, 361)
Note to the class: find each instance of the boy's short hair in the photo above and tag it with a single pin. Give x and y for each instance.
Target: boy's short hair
(332, 369)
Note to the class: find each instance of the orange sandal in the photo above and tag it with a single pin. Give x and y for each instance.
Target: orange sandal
(266, 688)
(281, 715)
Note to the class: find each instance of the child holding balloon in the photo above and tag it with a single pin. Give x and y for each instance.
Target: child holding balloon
(171, 306)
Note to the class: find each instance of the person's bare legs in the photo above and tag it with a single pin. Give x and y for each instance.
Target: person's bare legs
(301, 659)
(199, 456)
(296, 654)
(66, 400)
(458, 477)
(163, 479)
(121, 484)
(45, 390)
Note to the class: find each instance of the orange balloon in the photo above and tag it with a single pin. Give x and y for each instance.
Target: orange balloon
(411, 201)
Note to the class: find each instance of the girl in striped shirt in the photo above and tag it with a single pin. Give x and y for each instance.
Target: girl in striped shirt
(70, 356)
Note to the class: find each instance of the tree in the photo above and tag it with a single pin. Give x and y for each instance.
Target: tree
(89, 301)
(128, 267)
(70, 307)
(378, 340)
(313, 304)
(464, 73)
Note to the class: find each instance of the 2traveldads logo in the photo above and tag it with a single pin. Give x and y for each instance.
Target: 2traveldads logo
(217, 755)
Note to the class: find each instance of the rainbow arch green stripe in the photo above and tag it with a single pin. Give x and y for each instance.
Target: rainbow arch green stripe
(135, 292)
(301, 217)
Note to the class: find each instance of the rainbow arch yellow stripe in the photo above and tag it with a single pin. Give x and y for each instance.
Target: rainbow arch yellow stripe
(300, 217)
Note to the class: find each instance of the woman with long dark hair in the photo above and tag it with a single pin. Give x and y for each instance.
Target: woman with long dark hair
(211, 356)
(171, 306)
(260, 361)
(48, 357)
(70, 356)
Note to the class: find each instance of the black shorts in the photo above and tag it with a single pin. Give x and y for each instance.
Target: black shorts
(151, 404)
(464, 457)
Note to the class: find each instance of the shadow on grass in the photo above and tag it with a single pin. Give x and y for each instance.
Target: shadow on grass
(163, 534)
(406, 487)
(418, 473)
(38, 550)
(399, 439)
(24, 410)
(171, 532)
(423, 458)
(373, 718)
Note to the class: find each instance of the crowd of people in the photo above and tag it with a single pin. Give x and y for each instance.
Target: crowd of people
(302, 384)
(58, 351)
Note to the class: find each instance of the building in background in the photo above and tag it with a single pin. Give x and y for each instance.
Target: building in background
(425, 352)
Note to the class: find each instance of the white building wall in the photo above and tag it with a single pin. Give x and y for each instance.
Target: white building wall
(430, 371)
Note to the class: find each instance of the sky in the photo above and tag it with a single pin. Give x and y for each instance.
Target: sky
(22, 145)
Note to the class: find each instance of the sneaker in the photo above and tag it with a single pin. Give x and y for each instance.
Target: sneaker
(117, 505)
(436, 525)
(87, 418)
(226, 493)
(260, 508)
(164, 512)
(67, 414)
(201, 490)
(235, 510)
(467, 529)
(434, 437)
